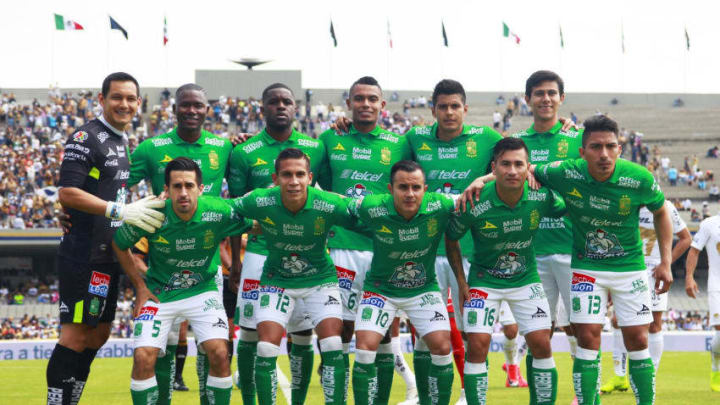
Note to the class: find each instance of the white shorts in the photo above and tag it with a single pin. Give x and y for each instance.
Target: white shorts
(527, 303)
(714, 308)
(205, 313)
(446, 280)
(247, 299)
(563, 318)
(555, 275)
(351, 266)
(630, 295)
(659, 301)
(427, 312)
(506, 315)
(279, 304)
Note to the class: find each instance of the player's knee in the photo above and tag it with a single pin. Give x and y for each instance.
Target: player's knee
(441, 348)
(143, 363)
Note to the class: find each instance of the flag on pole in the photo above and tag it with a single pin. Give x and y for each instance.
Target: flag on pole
(115, 26)
(165, 37)
(562, 40)
(388, 34)
(63, 24)
(507, 34)
(687, 39)
(444, 34)
(332, 34)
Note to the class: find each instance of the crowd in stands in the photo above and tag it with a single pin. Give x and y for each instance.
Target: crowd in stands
(27, 327)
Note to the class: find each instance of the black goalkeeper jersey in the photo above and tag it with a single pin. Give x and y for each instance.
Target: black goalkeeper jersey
(96, 160)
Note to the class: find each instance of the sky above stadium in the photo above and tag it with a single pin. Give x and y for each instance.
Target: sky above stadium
(296, 35)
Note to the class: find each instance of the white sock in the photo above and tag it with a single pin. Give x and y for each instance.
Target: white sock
(619, 354)
(586, 354)
(572, 341)
(219, 382)
(441, 360)
(656, 343)
(142, 385)
(475, 368)
(346, 348)
(401, 366)
(543, 364)
(510, 348)
(639, 354)
(715, 351)
(365, 356)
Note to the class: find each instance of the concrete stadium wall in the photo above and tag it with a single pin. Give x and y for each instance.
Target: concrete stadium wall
(247, 83)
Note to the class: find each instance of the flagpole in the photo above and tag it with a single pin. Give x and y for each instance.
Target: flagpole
(52, 57)
(165, 45)
(107, 48)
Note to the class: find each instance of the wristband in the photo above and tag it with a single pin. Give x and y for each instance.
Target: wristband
(113, 210)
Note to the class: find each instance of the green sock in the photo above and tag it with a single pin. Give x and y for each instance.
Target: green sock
(266, 380)
(202, 366)
(530, 379)
(246, 352)
(364, 381)
(585, 375)
(165, 375)
(642, 380)
(440, 382)
(421, 366)
(301, 368)
(148, 396)
(333, 377)
(545, 385)
(385, 363)
(219, 390)
(346, 361)
(599, 380)
(476, 383)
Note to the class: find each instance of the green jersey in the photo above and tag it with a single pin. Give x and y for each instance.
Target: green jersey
(604, 215)
(505, 250)
(210, 152)
(555, 234)
(180, 253)
(297, 254)
(403, 263)
(359, 164)
(450, 166)
(253, 163)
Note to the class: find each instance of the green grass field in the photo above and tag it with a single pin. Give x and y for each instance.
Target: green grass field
(683, 379)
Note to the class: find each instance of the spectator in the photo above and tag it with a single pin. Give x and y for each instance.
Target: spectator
(705, 210)
(496, 118)
(18, 298)
(672, 175)
(714, 192)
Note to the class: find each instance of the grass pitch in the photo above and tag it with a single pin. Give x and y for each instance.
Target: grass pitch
(684, 378)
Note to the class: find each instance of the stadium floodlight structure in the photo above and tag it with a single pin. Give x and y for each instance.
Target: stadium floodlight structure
(249, 63)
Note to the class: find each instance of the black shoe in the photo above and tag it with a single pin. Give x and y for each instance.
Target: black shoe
(179, 385)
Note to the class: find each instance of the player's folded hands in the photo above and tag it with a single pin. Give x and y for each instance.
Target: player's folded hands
(142, 214)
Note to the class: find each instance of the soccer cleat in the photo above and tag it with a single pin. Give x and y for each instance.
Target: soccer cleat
(411, 397)
(179, 385)
(574, 401)
(616, 383)
(521, 381)
(513, 375)
(462, 400)
(715, 381)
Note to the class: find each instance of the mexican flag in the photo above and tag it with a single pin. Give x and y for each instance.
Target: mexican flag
(509, 34)
(63, 24)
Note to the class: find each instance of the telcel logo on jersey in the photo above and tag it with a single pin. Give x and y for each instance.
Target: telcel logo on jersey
(99, 284)
(360, 175)
(448, 174)
(345, 278)
(477, 299)
(582, 283)
(250, 289)
(147, 314)
(374, 299)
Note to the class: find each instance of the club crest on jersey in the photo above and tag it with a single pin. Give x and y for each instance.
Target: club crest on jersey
(345, 278)
(408, 275)
(99, 284)
(508, 265)
(214, 160)
(385, 156)
(471, 148)
(562, 149)
(250, 289)
(147, 314)
(534, 220)
(432, 227)
(80, 136)
(356, 191)
(624, 205)
(600, 244)
(373, 299)
(582, 283)
(476, 299)
(319, 226)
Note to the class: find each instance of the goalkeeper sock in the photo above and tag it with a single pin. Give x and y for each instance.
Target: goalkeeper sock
(62, 374)
(266, 373)
(180, 355)
(385, 364)
(301, 367)
(642, 377)
(219, 390)
(144, 392)
(82, 374)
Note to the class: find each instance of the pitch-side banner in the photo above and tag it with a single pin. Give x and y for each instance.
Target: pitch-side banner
(42, 349)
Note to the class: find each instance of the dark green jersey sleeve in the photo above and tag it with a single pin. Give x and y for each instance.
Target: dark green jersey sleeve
(551, 174)
(556, 205)
(128, 235)
(459, 224)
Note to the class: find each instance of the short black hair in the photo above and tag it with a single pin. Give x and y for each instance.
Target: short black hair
(448, 87)
(189, 87)
(275, 86)
(405, 166)
(507, 144)
(543, 76)
(182, 164)
(291, 153)
(366, 80)
(118, 77)
(598, 123)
